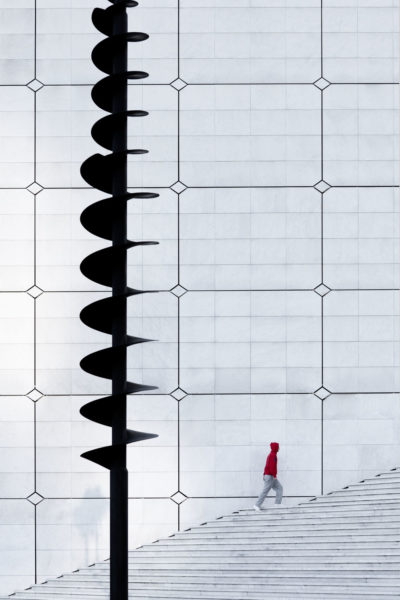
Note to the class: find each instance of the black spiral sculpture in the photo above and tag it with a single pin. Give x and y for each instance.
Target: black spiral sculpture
(107, 219)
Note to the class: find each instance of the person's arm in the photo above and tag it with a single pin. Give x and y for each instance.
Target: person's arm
(275, 466)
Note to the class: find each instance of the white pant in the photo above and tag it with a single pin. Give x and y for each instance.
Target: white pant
(270, 482)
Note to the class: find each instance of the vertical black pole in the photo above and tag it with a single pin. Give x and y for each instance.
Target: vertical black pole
(119, 472)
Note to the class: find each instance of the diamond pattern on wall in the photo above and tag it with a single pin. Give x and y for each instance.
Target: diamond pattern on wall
(322, 186)
(178, 497)
(179, 84)
(178, 187)
(322, 393)
(178, 394)
(179, 290)
(35, 395)
(35, 85)
(322, 289)
(34, 291)
(34, 188)
(35, 498)
(321, 83)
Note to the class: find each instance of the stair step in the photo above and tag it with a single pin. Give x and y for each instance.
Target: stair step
(362, 493)
(271, 527)
(330, 501)
(300, 524)
(335, 594)
(346, 498)
(267, 545)
(392, 473)
(373, 483)
(363, 488)
(232, 571)
(295, 557)
(276, 536)
(308, 517)
(348, 554)
(272, 583)
(246, 547)
(313, 506)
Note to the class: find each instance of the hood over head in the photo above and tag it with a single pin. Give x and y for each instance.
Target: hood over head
(274, 446)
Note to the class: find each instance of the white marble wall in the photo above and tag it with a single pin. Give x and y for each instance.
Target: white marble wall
(278, 264)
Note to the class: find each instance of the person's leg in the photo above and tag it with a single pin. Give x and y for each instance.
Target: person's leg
(268, 481)
(277, 486)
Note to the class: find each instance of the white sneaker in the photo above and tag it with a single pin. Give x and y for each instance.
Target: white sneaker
(279, 505)
(257, 508)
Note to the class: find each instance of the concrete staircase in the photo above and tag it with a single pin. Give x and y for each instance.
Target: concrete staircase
(345, 545)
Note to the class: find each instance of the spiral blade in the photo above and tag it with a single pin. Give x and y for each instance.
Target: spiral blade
(104, 130)
(102, 410)
(103, 53)
(126, 3)
(98, 267)
(99, 315)
(101, 363)
(106, 89)
(108, 456)
(107, 218)
(133, 388)
(99, 170)
(103, 19)
(138, 436)
(97, 218)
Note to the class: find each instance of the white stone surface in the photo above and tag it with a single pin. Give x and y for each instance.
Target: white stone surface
(361, 135)
(250, 135)
(71, 532)
(17, 464)
(17, 544)
(250, 342)
(361, 348)
(225, 42)
(17, 41)
(250, 238)
(151, 519)
(360, 433)
(16, 343)
(361, 41)
(17, 130)
(16, 239)
(361, 233)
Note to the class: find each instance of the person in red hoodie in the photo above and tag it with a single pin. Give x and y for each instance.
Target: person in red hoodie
(270, 480)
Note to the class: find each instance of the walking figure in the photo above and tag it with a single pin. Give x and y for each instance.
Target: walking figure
(270, 480)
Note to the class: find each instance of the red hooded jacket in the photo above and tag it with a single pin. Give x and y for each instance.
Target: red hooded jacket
(271, 466)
